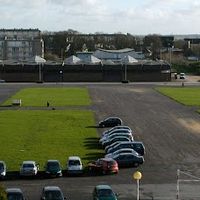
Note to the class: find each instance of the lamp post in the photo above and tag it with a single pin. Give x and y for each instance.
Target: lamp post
(125, 72)
(137, 176)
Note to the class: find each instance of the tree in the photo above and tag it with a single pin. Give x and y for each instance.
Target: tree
(153, 42)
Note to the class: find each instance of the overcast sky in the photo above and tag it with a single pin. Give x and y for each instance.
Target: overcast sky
(107, 16)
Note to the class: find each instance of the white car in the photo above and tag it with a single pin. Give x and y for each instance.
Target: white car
(182, 76)
(29, 168)
(115, 128)
(74, 165)
(114, 132)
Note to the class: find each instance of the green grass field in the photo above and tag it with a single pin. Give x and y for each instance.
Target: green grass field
(42, 135)
(55, 96)
(187, 96)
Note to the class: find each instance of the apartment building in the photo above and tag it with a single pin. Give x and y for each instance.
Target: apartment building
(20, 44)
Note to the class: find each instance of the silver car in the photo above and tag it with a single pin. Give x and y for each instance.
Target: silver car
(124, 150)
(29, 168)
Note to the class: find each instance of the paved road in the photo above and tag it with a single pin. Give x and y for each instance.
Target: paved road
(169, 130)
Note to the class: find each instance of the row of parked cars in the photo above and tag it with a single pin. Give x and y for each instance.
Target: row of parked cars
(52, 168)
(120, 147)
(100, 192)
(48, 193)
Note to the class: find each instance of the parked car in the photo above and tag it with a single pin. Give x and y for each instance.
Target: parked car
(2, 81)
(124, 138)
(182, 76)
(109, 137)
(52, 193)
(111, 146)
(15, 194)
(104, 166)
(2, 169)
(110, 122)
(128, 159)
(114, 132)
(29, 168)
(53, 168)
(103, 192)
(125, 150)
(137, 146)
(74, 165)
(116, 128)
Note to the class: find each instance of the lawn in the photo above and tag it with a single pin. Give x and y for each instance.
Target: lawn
(70, 96)
(189, 96)
(49, 134)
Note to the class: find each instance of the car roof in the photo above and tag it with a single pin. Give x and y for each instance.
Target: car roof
(128, 154)
(28, 162)
(17, 190)
(50, 188)
(117, 137)
(107, 159)
(118, 130)
(74, 158)
(1, 161)
(113, 118)
(100, 187)
(53, 161)
(125, 149)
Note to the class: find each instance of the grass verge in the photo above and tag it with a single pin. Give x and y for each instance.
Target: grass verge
(188, 96)
(42, 135)
(55, 96)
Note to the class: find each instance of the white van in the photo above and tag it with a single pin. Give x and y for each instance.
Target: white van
(74, 165)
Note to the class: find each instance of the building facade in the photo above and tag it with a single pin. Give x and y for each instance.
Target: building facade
(20, 44)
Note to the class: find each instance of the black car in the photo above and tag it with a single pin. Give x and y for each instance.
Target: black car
(14, 193)
(53, 168)
(128, 159)
(110, 122)
(52, 192)
(137, 146)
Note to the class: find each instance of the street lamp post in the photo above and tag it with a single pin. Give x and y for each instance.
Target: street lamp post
(125, 72)
(137, 176)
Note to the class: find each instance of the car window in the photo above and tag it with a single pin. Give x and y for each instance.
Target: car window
(74, 162)
(28, 165)
(15, 196)
(53, 165)
(105, 193)
(53, 195)
(1, 166)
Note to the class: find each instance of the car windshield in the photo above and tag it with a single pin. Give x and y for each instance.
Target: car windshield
(1, 166)
(28, 165)
(15, 196)
(53, 195)
(105, 193)
(53, 165)
(74, 162)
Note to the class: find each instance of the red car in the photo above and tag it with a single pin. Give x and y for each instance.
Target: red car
(104, 166)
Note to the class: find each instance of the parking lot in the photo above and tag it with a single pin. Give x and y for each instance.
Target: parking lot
(169, 131)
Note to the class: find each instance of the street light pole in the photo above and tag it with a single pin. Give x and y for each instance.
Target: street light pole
(137, 176)
(125, 72)
(177, 184)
